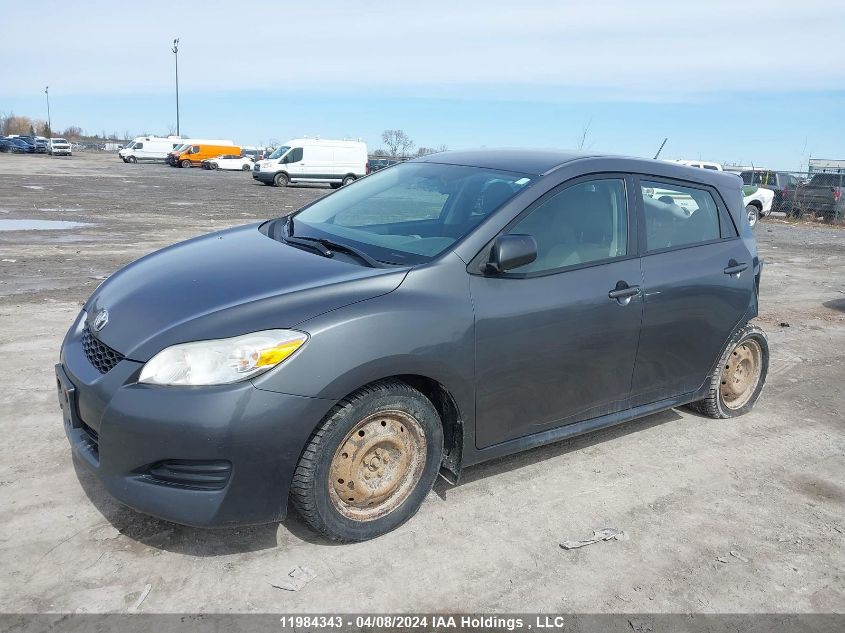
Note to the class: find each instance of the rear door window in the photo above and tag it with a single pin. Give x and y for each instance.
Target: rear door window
(677, 216)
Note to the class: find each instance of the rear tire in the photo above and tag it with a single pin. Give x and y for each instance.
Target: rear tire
(347, 180)
(246, 168)
(370, 464)
(753, 214)
(739, 377)
(281, 180)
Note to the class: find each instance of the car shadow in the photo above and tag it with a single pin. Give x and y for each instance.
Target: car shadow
(533, 456)
(835, 304)
(172, 537)
(203, 542)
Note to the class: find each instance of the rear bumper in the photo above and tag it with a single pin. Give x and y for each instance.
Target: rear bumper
(202, 456)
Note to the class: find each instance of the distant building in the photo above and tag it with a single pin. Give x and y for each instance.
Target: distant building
(826, 165)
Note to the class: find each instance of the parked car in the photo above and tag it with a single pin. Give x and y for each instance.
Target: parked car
(5, 145)
(781, 183)
(314, 160)
(230, 162)
(193, 155)
(18, 145)
(38, 147)
(758, 202)
(379, 163)
(437, 314)
(149, 148)
(822, 195)
(701, 164)
(59, 147)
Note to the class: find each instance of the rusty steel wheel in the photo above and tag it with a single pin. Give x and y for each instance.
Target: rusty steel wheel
(741, 374)
(377, 465)
(736, 381)
(368, 466)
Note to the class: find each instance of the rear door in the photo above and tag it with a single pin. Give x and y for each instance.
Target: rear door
(697, 281)
(556, 339)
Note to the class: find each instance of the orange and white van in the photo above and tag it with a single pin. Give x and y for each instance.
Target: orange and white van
(193, 155)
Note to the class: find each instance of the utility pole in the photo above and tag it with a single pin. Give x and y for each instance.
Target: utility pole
(49, 122)
(660, 149)
(175, 50)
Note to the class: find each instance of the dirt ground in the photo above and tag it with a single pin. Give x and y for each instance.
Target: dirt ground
(738, 516)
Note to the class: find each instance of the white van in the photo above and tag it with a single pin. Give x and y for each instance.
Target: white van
(314, 160)
(701, 164)
(149, 148)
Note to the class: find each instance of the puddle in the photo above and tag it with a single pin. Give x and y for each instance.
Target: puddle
(36, 187)
(39, 225)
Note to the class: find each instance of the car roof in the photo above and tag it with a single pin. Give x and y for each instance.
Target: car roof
(542, 162)
(525, 161)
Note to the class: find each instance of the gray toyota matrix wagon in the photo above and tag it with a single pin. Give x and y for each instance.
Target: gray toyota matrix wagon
(431, 316)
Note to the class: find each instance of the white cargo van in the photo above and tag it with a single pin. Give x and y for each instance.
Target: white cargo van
(314, 160)
(149, 148)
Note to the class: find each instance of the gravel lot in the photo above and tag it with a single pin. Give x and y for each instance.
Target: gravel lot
(739, 516)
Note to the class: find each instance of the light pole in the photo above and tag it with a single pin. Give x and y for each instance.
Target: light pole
(49, 122)
(175, 50)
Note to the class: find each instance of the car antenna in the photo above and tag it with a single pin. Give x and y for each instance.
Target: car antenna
(660, 149)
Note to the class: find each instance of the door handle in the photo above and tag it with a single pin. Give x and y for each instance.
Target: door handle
(735, 268)
(623, 293)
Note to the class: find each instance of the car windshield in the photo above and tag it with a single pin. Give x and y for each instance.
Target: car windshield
(279, 152)
(411, 213)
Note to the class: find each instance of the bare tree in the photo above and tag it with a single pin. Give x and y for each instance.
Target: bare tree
(12, 124)
(398, 143)
(72, 132)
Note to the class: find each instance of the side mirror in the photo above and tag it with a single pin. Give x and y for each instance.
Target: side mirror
(511, 251)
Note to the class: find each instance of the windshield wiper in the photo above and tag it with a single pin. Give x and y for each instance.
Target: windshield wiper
(310, 244)
(329, 244)
(324, 246)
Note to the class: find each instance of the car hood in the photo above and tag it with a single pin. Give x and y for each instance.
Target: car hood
(225, 284)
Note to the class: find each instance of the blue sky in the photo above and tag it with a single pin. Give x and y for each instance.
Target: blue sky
(723, 80)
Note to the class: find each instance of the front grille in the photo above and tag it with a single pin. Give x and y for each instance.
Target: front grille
(103, 357)
(197, 475)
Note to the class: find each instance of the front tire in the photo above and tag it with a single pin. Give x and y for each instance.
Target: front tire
(281, 180)
(246, 168)
(738, 379)
(186, 163)
(370, 464)
(132, 160)
(753, 214)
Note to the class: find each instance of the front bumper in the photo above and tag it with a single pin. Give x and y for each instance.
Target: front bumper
(130, 435)
(263, 176)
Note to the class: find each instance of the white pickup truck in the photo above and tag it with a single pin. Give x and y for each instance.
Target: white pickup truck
(757, 201)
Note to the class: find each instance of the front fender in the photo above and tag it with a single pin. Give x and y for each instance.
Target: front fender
(425, 327)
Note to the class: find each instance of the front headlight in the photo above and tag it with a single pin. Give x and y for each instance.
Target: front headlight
(221, 361)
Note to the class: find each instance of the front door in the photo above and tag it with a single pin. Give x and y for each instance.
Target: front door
(556, 339)
(698, 280)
